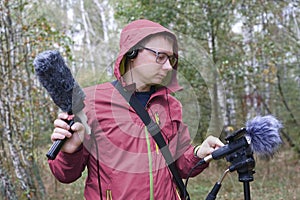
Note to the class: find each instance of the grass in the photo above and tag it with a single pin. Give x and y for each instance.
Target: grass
(277, 179)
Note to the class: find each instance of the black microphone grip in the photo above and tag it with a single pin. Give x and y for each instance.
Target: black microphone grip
(229, 148)
(213, 193)
(56, 146)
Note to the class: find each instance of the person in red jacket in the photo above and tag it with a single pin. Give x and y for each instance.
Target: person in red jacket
(122, 158)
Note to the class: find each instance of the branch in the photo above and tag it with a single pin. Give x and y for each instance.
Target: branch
(284, 100)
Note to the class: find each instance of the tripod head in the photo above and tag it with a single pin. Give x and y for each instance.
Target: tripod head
(241, 160)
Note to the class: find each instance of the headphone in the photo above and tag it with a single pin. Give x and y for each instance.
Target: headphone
(132, 54)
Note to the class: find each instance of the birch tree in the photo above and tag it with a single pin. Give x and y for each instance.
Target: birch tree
(24, 108)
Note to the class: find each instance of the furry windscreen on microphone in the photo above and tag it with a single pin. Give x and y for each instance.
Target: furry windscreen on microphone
(264, 135)
(57, 78)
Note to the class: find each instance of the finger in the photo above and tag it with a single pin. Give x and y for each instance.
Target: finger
(60, 133)
(63, 115)
(205, 151)
(77, 127)
(214, 141)
(219, 143)
(211, 149)
(61, 124)
(57, 136)
(208, 150)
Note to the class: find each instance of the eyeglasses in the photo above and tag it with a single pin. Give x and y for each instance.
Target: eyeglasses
(161, 57)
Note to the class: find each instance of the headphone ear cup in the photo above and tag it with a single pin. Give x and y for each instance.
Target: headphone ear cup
(132, 54)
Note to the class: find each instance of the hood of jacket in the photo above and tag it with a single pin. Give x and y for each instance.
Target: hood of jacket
(135, 32)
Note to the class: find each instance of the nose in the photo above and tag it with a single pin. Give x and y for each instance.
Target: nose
(167, 66)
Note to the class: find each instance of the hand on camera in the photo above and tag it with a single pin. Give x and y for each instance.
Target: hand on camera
(209, 145)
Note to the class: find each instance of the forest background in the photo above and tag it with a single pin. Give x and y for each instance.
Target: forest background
(238, 59)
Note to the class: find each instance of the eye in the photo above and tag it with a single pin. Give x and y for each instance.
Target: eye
(161, 57)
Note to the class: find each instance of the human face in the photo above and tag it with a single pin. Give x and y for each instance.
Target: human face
(146, 71)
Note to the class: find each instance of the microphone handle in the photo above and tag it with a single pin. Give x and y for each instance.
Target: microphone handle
(229, 148)
(56, 146)
(213, 193)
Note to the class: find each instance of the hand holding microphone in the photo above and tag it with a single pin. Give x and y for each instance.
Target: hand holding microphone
(57, 79)
(62, 130)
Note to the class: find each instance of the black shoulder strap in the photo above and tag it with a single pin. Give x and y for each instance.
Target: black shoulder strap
(154, 130)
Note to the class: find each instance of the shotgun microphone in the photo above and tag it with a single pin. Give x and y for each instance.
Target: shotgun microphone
(261, 133)
(65, 92)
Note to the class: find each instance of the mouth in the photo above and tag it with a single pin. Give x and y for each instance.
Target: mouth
(161, 76)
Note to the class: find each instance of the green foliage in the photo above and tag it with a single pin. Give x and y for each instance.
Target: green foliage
(243, 40)
(193, 79)
(252, 46)
(163, 12)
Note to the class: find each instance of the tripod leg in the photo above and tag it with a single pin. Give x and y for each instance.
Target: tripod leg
(247, 191)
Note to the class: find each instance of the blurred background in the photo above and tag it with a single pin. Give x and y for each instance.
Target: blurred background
(251, 48)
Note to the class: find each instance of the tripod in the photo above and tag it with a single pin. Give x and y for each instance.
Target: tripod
(246, 176)
(241, 161)
(244, 163)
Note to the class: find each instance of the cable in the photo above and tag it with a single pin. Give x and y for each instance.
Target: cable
(202, 162)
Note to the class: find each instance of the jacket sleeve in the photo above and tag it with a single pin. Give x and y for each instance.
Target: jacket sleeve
(185, 151)
(68, 167)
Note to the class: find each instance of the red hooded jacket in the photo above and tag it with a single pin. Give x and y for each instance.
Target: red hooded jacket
(130, 164)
